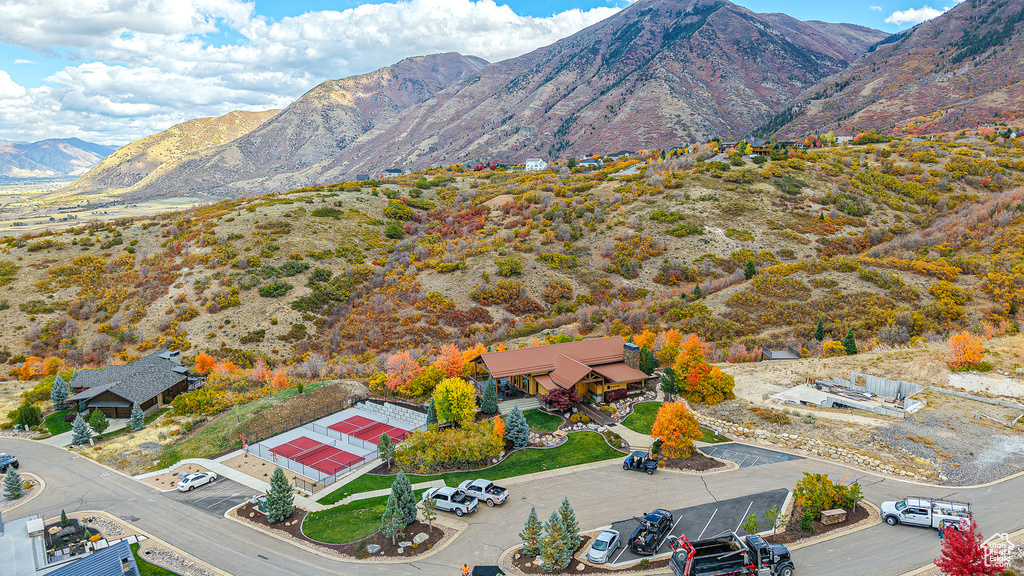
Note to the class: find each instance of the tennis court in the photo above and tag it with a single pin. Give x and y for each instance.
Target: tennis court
(317, 455)
(370, 430)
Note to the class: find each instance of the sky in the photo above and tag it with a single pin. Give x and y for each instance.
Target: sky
(111, 71)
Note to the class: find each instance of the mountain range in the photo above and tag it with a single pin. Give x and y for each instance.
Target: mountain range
(53, 158)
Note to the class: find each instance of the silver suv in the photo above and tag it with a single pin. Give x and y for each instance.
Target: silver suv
(451, 500)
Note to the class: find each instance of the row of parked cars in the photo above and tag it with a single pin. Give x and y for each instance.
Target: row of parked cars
(464, 499)
(644, 541)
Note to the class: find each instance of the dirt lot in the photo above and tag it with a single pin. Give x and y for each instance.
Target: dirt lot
(260, 469)
(170, 479)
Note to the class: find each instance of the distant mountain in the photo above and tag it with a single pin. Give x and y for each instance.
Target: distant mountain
(54, 158)
(144, 159)
(958, 70)
(659, 73)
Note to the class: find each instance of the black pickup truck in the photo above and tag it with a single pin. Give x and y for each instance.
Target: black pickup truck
(728, 554)
(6, 460)
(647, 536)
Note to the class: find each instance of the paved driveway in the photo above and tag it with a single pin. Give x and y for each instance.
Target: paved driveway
(215, 499)
(705, 520)
(747, 456)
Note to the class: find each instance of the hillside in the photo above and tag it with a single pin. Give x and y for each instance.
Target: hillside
(52, 158)
(657, 74)
(911, 238)
(956, 71)
(133, 164)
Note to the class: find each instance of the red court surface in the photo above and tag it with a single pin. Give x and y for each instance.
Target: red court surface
(309, 452)
(367, 429)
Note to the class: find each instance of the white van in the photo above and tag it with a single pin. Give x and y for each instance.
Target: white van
(929, 512)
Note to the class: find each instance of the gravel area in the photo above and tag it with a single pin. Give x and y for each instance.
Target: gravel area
(106, 527)
(261, 469)
(169, 480)
(153, 553)
(26, 493)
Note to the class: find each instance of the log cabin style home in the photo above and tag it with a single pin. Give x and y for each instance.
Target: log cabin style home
(150, 382)
(593, 367)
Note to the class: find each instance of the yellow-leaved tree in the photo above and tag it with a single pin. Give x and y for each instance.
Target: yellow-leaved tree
(677, 428)
(698, 380)
(455, 401)
(965, 350)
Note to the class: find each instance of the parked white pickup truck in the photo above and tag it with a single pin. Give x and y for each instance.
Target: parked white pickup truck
(485, 491)
(451, 500)
(928, 512)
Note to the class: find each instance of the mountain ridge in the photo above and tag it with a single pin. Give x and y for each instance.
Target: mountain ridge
(50, 158)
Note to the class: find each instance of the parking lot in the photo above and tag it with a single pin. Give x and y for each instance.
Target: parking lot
(703, 521)
(214, 499)
(746, 456)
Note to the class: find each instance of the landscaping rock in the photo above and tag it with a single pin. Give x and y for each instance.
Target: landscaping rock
(400, 550)
(420, 538)
(373, 548)
(580, 567)
(404, 544)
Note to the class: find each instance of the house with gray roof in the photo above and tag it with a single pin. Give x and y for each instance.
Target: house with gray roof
(23, 553)
(150, 382)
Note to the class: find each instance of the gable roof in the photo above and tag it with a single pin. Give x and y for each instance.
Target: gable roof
(105, 562)
(619, 372)
(136, 382)
(568, 372)
(542, 359)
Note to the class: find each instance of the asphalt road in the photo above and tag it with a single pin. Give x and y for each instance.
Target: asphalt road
(600, 496)
(746, 456)
(214, 499)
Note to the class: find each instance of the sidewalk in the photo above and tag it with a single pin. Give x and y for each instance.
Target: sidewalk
(636, 440)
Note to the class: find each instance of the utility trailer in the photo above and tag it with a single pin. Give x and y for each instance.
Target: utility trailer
(729, 555)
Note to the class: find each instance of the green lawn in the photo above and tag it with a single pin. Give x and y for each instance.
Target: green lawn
(147, 569)
(581, 448)
(711, 438)
(55, 422)
(642, 418)
(542, 421)
(147, 420)
(346, 523)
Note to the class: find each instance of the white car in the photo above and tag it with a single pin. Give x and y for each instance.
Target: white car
(485, 491)
(196, 479)
(451, 500)
(602, 548)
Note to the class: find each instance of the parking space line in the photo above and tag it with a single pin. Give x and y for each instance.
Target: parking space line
(708, 524)
(617, 556)
(669, 533)
(742, 518)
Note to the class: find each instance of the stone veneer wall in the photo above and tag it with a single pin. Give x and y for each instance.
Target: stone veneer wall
(396, 412)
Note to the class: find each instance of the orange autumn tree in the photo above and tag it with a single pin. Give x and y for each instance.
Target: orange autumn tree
(677, 428)
(205, 363)
(499, 427)
(401, 369)
(280, 381)
(699, 381)
(450, 361)
(33, 366)
(965, 350)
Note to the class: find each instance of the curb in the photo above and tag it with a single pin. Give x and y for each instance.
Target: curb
(873, 514)
(42, 486)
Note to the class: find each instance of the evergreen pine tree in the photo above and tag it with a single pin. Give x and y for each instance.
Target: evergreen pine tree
(431, 413)
(12, 484)
(571, 526)
(819, 331)
(59, 393)
(391, 522)
(697, 295)
(401, 489)
(532, 533)
(749, 271)
(647, 361)
(138, 420)
(517, 430)
(64, 519)
(489, 403)
(98, 421)
(553, 551)
(80, 432)
(385, 449)
(668, 382)
(279, 497)
(849, 343)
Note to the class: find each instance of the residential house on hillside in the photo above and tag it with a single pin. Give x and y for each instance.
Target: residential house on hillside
(392, 173)
(595, 367)
(843, 136)
(760, 146)
(622, 154)
(590, 162)
(150, 382)
(535, 164)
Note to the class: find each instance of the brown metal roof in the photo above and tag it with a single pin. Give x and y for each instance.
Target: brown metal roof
(619, 372)
(568, 372)
(542, 359)
(546, 383)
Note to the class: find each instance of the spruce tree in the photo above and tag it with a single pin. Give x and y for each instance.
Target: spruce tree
(819, 331)
(668, 382)
(749, 271)
(489, 403)
(553, 551)
(532, 533)
(59, 393)
(401, 489)
(392, 522)
(279, 497)
(98, 421)
(697, 295)
(647, 361)
(431, 413)
(64, 519)
(385, 449)
(517, 430)
(80, 432)
(138, 420)
(571, 526)
(849, 343)
(12, 484)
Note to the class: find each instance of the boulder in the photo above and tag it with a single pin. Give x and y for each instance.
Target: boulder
(400, 550)
(404, 544)
(373, 548)
(420, 538)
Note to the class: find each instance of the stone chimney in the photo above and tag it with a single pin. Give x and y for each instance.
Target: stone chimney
(631, 355)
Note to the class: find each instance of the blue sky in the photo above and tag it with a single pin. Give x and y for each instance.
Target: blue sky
(111, 72)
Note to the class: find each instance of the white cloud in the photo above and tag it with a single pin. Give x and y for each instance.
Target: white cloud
(916, 15)
(139, 66)
(23, 61)
(875, 8)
